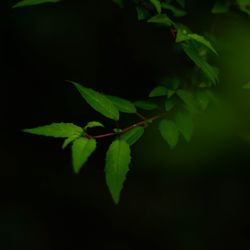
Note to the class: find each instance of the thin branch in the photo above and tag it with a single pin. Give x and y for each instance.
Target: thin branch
(144, 122)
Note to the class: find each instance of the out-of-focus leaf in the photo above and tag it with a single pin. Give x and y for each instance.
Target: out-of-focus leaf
(25, 3)
(169, 132)
(161, 19)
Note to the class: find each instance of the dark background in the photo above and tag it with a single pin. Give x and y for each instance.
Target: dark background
(195, 197)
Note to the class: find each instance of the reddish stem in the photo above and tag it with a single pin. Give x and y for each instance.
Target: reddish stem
(143, 122)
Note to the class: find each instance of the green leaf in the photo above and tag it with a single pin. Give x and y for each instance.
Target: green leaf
(202, 40)
(176, 11)
(244, 6)
(161, 19)
(133, 135)
(221, 7)
(146, 105)
(193, 53)
(93, 124)
(169, 132)
(69, 140)
(116, 167)
(170, 93)
(182, 33)
(170, 103)
(56, 130)
(182, 3)
(122, 105)
(246, 86)
(203, 99)
(82, 148)
(158, 91)
(188, 98)
(33, 2)
(120, 3)
(98, 102)
(142, 14)
(184, 123)
(157, 5)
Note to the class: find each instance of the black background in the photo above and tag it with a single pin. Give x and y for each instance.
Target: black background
(43, 204)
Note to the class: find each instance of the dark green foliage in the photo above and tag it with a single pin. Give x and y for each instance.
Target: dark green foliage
(175, 101)
(24, 3)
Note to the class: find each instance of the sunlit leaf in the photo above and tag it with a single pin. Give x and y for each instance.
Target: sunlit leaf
(69, 140)
(116, 167)
(82, 148)
(56, 130)
(98, 101)
(133, 135)
(122, 105)
(93, 124)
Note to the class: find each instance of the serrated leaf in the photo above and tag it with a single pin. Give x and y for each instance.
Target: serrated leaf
(33, 2)
(220, 7)
(120, 3)
(93, 124)
(185, 125)
(158, 91)
(170, 103)
(169, 132)
(161, 19)
(202, 40)
(122, 105)
(116, 167)
(133, 135)
(146, 105)
(82, 148)
(188, 98)
(142, 14)
(157, 5)
(246, 86)
(56, 130)
(176, 11)
(192, 52)
(98, 102)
